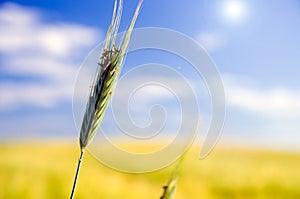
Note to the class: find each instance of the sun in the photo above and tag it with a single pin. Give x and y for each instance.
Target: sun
(234, 10)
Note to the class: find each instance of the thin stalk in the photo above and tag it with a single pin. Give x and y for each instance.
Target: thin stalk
(77, 172)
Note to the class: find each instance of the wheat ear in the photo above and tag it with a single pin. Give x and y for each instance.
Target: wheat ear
(110, 62)
(170, 188)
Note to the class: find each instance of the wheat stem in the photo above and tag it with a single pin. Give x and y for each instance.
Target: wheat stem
(77, 172)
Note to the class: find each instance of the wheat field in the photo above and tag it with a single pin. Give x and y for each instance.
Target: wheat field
(46, 170)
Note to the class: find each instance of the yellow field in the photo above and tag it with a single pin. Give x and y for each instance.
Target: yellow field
(44, 171)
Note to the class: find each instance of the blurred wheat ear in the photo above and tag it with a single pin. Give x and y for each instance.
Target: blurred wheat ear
(170, 188)
(110, 62)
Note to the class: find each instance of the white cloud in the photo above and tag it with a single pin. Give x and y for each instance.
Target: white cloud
(45, 56)
(13, 14)
(45, 95)
(155, 90)
(23, 30)
(62, 39)
(142, 91)
(276, 102)
(211, 41)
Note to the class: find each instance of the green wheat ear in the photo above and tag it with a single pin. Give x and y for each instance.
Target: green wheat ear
(170, 188)
(110, 62)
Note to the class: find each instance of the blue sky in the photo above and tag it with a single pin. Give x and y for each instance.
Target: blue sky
(255, 45)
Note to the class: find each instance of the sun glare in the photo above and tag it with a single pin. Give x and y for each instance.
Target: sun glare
(234, 10)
